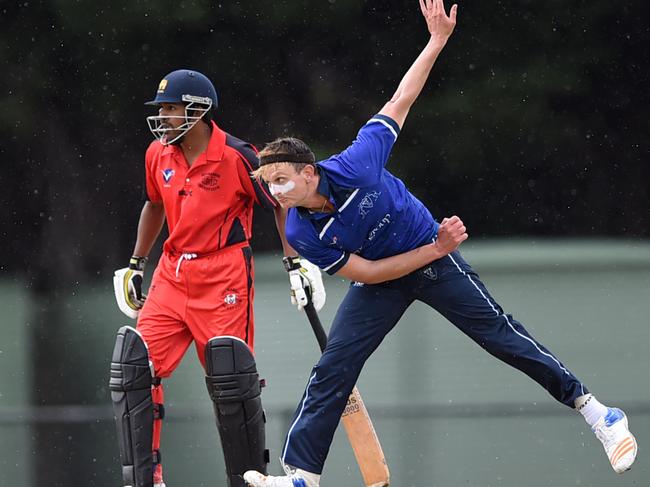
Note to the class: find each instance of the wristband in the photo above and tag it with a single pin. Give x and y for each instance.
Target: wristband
(291, 263)
(137, 263)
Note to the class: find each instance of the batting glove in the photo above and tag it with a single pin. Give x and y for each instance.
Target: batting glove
(127, 283)
(303, 274)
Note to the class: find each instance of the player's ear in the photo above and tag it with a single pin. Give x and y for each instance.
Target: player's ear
(308, 171)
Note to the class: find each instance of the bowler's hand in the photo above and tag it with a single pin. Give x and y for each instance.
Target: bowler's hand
(451, 234)
(439, 24)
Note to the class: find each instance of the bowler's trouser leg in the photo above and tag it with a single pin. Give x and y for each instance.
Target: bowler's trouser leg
(460, 296)
(365, 316)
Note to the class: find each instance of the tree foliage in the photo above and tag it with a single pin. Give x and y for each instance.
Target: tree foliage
(534, 120)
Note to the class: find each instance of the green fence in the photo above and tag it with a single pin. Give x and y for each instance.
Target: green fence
(447, 413)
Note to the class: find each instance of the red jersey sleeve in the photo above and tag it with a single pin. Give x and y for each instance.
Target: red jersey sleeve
(258, 190)
(151, 157)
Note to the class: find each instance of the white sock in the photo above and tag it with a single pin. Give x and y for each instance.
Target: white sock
(590, 408)
(312, 479)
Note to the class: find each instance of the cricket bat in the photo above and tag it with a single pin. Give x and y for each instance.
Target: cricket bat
(357, 423)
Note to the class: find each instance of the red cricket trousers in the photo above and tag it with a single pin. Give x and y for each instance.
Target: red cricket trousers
(193, 298)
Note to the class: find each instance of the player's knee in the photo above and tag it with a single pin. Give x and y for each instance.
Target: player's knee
(344, 370)
(231, 372)
(130, 366)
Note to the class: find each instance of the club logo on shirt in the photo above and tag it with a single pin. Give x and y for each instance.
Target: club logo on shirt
(231, 298)
(367, 202)
(210, 181)
(382, 223)
(168, 174)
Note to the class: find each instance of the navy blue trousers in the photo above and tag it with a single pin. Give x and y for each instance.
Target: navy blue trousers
(369, 312)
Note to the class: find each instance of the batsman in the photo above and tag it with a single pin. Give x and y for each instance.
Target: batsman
(353, 218)
(198, 180)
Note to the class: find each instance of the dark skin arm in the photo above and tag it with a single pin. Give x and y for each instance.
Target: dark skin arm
(150, 224)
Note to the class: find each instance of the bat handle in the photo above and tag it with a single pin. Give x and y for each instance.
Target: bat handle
(316, 325)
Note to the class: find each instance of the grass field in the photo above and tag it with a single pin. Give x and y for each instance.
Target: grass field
(447, 413)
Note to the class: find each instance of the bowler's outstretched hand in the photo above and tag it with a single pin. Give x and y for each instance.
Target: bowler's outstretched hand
(440, 24)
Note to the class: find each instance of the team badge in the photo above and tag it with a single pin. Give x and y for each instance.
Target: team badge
(210, 181)
(367, 202)
(167, 175)
(430, 273)
(162, 86)
(231, 298)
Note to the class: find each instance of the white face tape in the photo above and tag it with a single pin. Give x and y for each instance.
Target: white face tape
(281, 188)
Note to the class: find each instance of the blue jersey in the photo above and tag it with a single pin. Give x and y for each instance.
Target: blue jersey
(375, 215)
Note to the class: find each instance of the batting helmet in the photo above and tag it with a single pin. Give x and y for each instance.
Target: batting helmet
(191, 88)
(184, 86)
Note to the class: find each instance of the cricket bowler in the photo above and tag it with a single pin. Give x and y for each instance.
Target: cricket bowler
(353, 218)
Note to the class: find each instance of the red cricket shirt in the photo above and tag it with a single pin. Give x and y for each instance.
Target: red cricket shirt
(208, 206)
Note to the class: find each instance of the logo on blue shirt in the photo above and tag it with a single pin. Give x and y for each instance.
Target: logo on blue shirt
(367, 202)
(382, 223)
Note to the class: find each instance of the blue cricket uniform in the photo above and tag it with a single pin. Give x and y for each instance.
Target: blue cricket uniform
(375, 217)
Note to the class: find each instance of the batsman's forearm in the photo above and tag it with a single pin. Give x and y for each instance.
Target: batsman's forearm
(151, 221)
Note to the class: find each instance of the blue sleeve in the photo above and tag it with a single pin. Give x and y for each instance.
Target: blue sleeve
(362, 163)
(304, 239)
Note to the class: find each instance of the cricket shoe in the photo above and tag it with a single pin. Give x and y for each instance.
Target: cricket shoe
(294, 478)
(620, 445)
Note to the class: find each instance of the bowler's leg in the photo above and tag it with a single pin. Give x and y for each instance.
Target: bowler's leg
(460, 296)
(364, 318)
(454, 289)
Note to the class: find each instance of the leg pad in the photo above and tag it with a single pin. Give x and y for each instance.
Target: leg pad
(130, 386)
(234, 387)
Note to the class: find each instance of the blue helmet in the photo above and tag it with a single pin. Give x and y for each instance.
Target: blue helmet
(185, 86)
(192, 89)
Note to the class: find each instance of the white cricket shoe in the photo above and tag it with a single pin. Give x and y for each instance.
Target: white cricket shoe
(620, 445)
(294, 478)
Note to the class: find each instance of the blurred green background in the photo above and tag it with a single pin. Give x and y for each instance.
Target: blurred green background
(447, 413)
